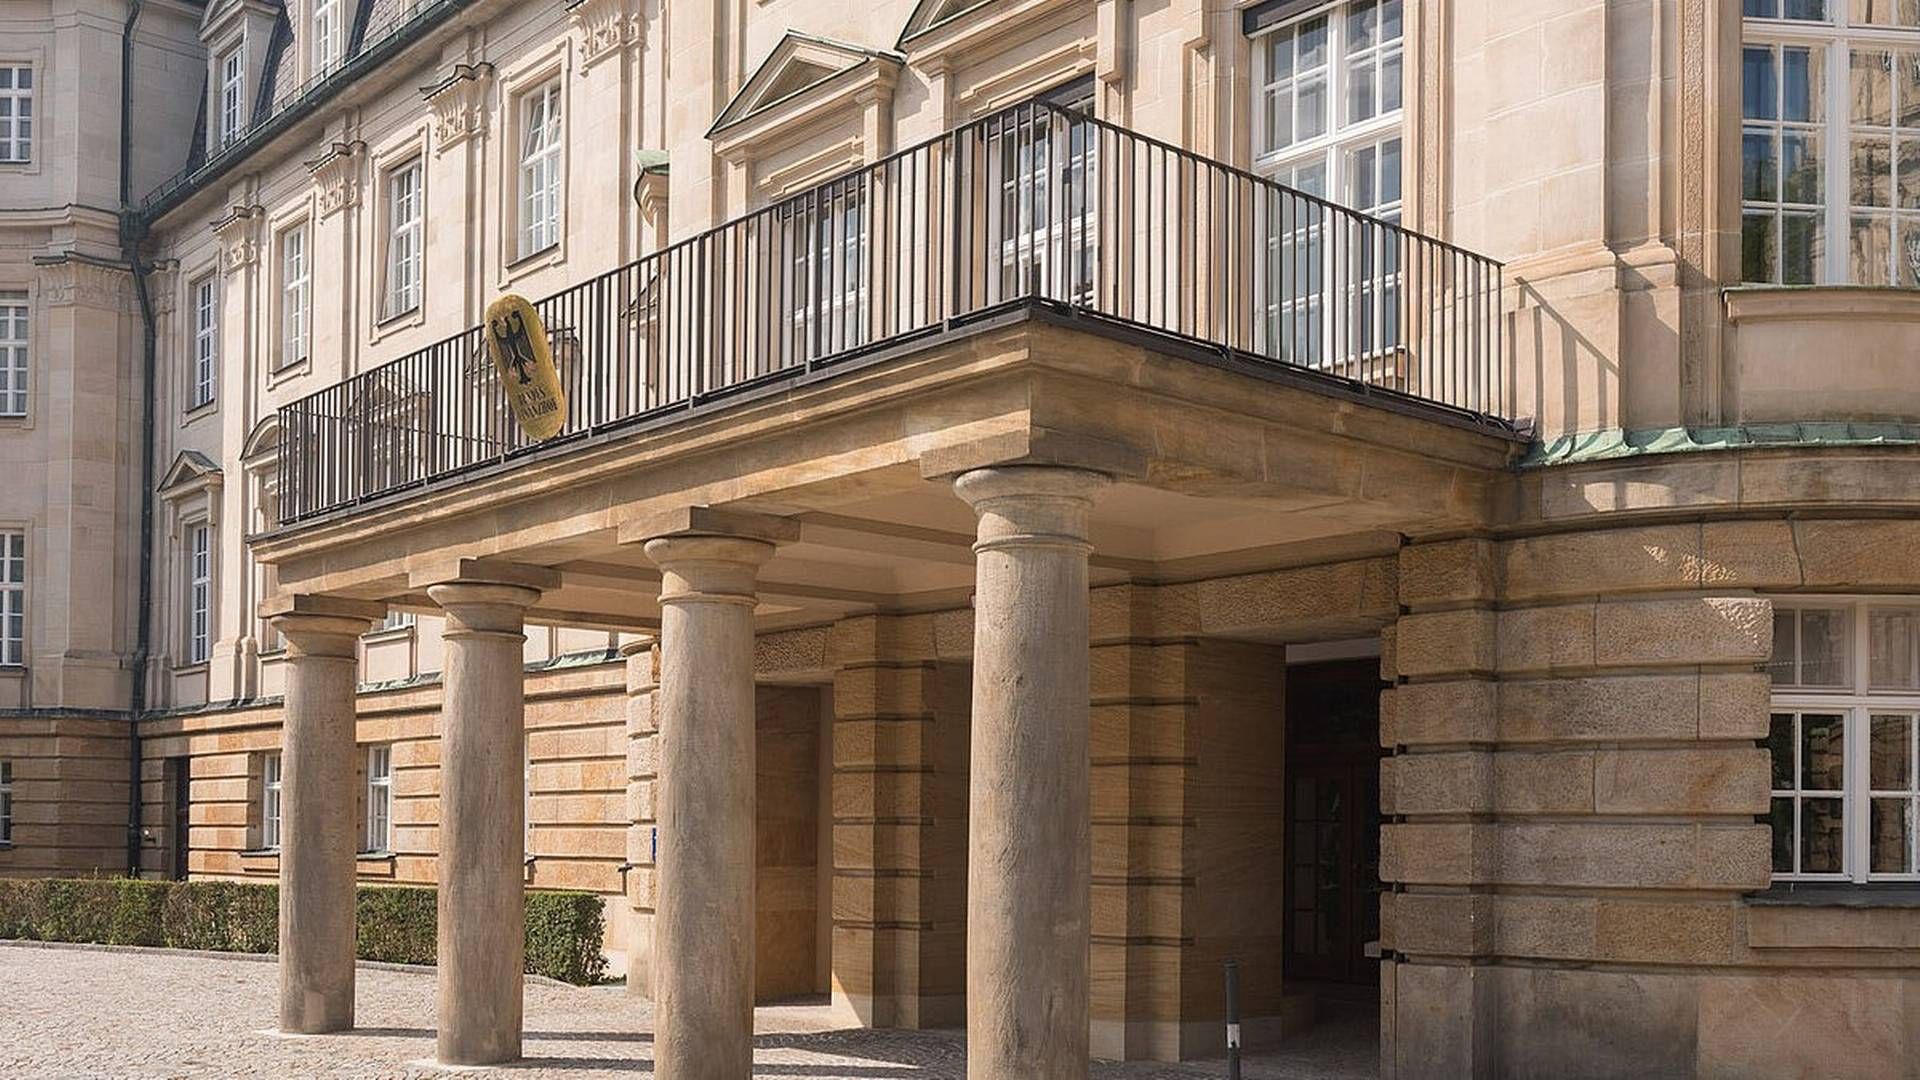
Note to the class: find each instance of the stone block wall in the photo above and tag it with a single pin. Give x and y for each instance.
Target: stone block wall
(69, 795)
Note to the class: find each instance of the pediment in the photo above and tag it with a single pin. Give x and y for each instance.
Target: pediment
(943, 26)
(221, 13)
(799, 66)
(191, 469)
(931, 13)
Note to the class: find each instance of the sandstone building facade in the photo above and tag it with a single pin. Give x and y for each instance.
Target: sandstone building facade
(1413, 496)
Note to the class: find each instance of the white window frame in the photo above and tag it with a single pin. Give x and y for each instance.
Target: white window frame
(13, 598)
(6, 802)
(296, 293)
(405, 220)
(1833, 38)
(17, 117)
(827, 274)
(542, 180)
(1048, 213)
(16, 353)
(233, 94)
(379, 834)
(326, 35)
(205, 294)
(1856, 703)
(199, 621)
(1346, 319)
(270, 777)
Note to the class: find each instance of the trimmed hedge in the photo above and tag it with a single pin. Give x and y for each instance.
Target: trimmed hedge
(396, 923)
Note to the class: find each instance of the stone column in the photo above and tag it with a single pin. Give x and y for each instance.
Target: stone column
(704, 915)
(482, 933)
(317, 820)
(1028, 902)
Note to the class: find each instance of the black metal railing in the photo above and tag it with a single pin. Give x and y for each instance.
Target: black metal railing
(1032, 205)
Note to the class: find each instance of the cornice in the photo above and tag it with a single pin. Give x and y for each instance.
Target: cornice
(336, 176)
(458, 103)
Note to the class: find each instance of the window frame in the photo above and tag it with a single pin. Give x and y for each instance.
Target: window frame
(540, 172)
(6, 802)
(17, 148)
(198, 625)
(295, 295)
(404, 245)
(377, 838)
(16, 353)
(1836, 38)
(326, 29)
(233, 95)
(271, 777)
(13, 598)
(1857, 703)
(204, 294)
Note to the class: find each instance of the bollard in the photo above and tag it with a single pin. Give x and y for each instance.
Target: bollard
(1233, 1020)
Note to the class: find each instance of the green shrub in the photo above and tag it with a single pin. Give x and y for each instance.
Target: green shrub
(564, 937)
(394, 923)
(397, 923)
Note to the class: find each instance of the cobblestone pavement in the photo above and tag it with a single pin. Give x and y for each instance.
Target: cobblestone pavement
(72, 1013)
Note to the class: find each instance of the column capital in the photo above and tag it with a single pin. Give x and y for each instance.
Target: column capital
(537, 579)
(321, 625)
(689, 521)
(711, 569)
(1031, 506)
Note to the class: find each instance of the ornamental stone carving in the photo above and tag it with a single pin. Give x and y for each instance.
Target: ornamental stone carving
(606, 27)
(336, 176)
(70, 280)
(459, 105)
(239, 236)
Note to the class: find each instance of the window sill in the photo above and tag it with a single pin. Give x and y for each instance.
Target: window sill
(1839, 916)
(1886, 894)
(198, 667)
(533, 262)
(199, 412)
(1765, 303)
(387, 633)
(288, 372)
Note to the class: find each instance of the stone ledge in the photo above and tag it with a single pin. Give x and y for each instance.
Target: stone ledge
(1848, 917)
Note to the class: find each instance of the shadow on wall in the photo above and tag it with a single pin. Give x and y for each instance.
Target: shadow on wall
(1564, 349)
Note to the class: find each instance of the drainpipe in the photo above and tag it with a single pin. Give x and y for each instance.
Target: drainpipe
(132, 231)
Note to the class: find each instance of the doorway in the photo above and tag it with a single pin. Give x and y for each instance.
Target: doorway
(1333, 823)
(179, 803)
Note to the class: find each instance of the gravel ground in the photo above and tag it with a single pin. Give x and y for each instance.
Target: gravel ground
(76, 1012)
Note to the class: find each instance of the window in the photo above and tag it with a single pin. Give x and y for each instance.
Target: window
(1845, 740)
(6, 802)
(206, 340)
(1048, 179)
(199, 592)
(13, 599)
(295, 290)
(270, 802)
(232, 95)
(13, 354)
(379, 798)
(326, 35)
(403, 239)
(1830, 142)
(826, 273)
(540, 169)
(395, 620)
(1328, 123)
(16, 113)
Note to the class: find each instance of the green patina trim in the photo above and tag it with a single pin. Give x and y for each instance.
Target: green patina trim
(1615, 443)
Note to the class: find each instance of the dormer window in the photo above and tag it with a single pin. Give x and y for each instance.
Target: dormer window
(326, 35)
(233, 77)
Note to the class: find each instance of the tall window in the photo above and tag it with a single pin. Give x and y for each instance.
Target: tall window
(1328, 123)
(270, 801)
(206, 340)
(232, 95)
(6, 802)
(13, 598)
(379, 798)
(295, 290)
(540, 169)
(404, 254)
(16, 113)
(1830, 142)
(199, 592)
(826, 275)
(13, 354)
(1845, 740)
(1048, 180)
(326, 34)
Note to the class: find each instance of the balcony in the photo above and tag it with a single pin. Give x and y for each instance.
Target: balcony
(1034, 212)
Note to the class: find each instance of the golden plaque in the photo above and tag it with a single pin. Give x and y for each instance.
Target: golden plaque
(524, 359)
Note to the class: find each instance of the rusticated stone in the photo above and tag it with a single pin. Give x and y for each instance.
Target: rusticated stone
(1706, 630)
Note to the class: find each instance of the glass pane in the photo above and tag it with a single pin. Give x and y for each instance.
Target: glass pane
(1802, 248)
(1780, 746)
(1363, 24)
(1870, 251)
(1870, 87)
(1313, 43)
(1907, 172)
(1885, 13)
(1890, 634)
(1360, 75)
(1780, 665)
(1279, 57)
(1311, 111)
(1890, 837)
(1906, 78)
(1807, 10)
(1822, 752)
(1759, 172)
(1823, 647)
(1802, 84)
(1820, 836)
(1800, 167)
(1757, 255)
(1760, 90)
(1781, 819)
(1871, 171)
(1890, 754)
(1392, 79)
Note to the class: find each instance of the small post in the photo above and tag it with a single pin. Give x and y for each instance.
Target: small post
(1233, 1020)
